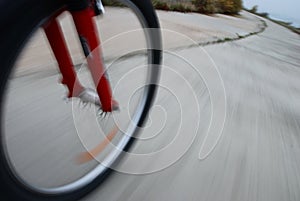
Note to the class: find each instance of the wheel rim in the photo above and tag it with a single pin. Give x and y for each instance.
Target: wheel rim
(140, 111)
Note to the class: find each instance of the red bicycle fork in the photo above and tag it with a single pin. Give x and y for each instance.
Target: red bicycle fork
(90, 42)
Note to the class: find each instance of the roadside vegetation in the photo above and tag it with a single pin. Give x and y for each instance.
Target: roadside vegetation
(288, 25)
(230, 7)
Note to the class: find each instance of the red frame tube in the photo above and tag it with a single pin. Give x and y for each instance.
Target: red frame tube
(86, 29)
(59, 48)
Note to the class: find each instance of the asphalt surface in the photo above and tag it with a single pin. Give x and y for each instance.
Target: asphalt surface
(254, 154)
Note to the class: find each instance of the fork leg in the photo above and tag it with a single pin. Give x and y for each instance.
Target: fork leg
(59, 48)
(91, 45)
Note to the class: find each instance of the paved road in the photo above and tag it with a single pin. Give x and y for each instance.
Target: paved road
(256, 158)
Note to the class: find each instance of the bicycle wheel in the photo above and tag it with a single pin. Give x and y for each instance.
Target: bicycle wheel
(41, 135)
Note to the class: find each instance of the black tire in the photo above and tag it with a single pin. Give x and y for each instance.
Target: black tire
(18, 20)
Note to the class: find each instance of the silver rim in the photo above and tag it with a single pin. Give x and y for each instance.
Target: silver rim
(153, 76)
